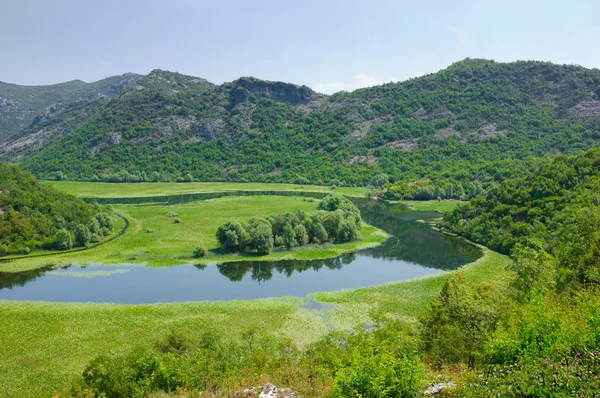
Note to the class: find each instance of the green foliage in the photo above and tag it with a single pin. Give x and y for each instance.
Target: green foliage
(177, 220)
(301, 235)
(535, 272)
(380, 180)
(199, 252)
(231, 236)
(476, 120)
(289, 238)
(260, 235)
(63, 240)
(82, 235)
(32, 213)
(3, 250)
(459, 323)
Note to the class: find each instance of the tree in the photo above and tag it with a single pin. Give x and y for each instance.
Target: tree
(319, 233)
(156, 176)
(460, 321)
(231, 236)
(379, 180)
(82, 235)
(260, 235)
(289, 238)
(301, 235)
(63, 239)
(3, 250)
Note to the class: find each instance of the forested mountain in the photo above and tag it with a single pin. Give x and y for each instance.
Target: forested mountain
(551, 205)
(476, 120)
(22, 105)
(34, 216)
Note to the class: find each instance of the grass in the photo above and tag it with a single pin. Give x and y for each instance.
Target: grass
(433, 205)
(144, 189)
(172, 244)
(45, 345)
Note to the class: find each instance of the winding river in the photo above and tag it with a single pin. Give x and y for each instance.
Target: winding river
(414, 250)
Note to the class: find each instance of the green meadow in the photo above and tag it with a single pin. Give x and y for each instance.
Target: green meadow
(144, 189)
(154, 239)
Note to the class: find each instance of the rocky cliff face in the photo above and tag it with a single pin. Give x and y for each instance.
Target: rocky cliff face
(279, 91)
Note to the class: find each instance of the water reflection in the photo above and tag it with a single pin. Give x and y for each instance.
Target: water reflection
(414, 250)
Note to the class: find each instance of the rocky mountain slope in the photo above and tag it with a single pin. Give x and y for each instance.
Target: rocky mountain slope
(477, 119)
(22, 105)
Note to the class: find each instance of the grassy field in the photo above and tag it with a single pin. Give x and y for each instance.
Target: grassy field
(433, 205)
(44, 345)
(172, 244)
(126, 190)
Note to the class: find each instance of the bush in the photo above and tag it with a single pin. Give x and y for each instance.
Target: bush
(177, 220)
(95, 238)
(3, 250)
(149, 230)
(172, 214)
(199, 251)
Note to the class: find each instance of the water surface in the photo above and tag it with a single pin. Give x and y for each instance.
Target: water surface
(414, 250)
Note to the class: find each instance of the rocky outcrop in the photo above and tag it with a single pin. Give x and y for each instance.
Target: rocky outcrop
(279, 91)
(439, 388)
(586, 110)
(267, 391)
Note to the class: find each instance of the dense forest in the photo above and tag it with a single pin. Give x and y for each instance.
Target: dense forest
(476, 121)
(535, 336)
(35, 216)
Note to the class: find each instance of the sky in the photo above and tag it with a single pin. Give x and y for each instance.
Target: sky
(329, 45)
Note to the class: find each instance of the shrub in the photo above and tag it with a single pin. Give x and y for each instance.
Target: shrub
(3, 250)
(177, 220)
(199, 251)
(95, 238)
(172, 214)
(149, 230)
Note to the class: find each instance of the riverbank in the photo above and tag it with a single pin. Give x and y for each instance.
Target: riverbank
(154, 239)
(45, 345)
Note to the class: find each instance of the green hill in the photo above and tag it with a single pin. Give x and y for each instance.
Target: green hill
(36, 216)
(476, 120)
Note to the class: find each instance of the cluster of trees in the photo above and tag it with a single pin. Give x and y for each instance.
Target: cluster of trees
(476, 120)
(339, 222)
(428, 190)
(35, 216)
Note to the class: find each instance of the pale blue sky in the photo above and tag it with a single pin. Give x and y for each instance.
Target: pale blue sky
(328, 45)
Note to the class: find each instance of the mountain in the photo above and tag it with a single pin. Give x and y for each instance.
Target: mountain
(22, 105)
(476, 120)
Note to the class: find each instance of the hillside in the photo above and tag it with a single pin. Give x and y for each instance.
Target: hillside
(36, 216)
(22, 105)
(547, 205)
(475, 120)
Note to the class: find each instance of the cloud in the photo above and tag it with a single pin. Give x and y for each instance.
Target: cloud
(359, 81)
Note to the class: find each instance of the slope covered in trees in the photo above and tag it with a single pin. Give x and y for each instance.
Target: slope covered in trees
(477, 120)
(549, 204)
(36, 216)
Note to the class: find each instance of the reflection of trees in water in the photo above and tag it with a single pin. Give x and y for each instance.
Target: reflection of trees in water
(263, 270)
(10, 279)
(414, 241)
